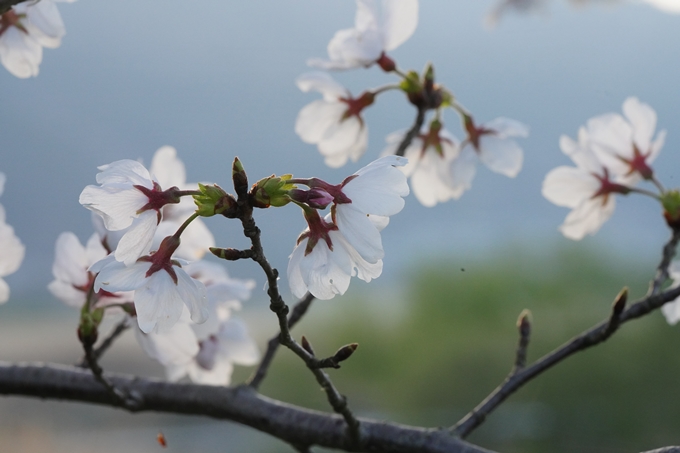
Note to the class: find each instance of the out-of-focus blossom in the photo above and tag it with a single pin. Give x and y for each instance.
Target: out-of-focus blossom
(169, 171)
(207, 352)
(161, 288)
(504, 7)
(72, 277)
(373, 34)
(24, 31)
(667, 6)
(625, 145)
(11, 249)
(429, 163)
(493, 144)
(333, 123)
(347, 242)
(587, 188)
(671, 310)
(128, 199)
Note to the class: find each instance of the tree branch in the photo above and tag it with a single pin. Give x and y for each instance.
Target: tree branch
(413, 132)
(664, 450)
(587, 339)
(291, 424)
(299, 311)
(5, 5)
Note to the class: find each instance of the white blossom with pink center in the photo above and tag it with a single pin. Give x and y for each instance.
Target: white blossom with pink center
(333, 123)
(11, 249)
(24, 31)
(373, 34)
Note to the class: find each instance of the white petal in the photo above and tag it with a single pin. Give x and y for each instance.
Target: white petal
(295, 280)
(125, 171)
(193, 293)
(137, 241)
(114, 276)
(167, 168)
(361, 268)
(236, 343)
(323, 83)
(117, 205)
(462, 171)
(569, 186)
(177, 346)
(316, 118)
(501, 155)
(400, 19)
(379, 187)
(11, 250)
(326, 273)
(360, 232)
(643, 119)
(70, 260)
(506, 127)
(44, 23)
(20, 54)
(587, 218)
(66, 293)
(3, 178)
(158, 303)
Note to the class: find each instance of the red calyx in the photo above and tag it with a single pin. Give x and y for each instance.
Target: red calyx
(11, 19)
(161, 260)
(157, 197)
(386, 63)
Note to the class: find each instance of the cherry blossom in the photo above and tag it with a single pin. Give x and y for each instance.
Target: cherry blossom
(347, 242)
(587, 188)
(12, 250)
(667, 6)
(128, 198)
(72, 277)
(161, 287)
(671, 310)
(333, 123)
(24, 31)
(372, 35)
(429, 161)
(493, 144)
(169, 171)
(625, 145)
(224, 341)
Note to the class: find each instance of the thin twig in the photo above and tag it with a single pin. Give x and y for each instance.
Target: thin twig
(412, 133)
(298, 312)
(98, 352)
(524, 328)
(585, 340)
(98, 373)
(664, 450)
(276, 304)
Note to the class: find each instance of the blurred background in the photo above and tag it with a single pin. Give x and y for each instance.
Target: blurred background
(437, 329)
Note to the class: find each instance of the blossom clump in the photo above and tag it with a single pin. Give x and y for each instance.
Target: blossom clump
(612, 155)
(373, 35)
(347, 242)
(333, 123)
(24, 30)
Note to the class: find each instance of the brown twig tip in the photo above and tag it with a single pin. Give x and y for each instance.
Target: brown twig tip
(524, 323)
(345, 352)
(238, 175)
(307, 346)
(620, 303)
(230, 254)
(524, 327)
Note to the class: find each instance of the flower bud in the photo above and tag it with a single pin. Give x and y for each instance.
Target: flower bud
(214, 200)
(230, 254)
(345, 352)
(238, 175)
(272, 191)
(671, 205)
(307, 346)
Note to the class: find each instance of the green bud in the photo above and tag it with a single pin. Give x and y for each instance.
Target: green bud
(272, 191)
(671, 204)
(238, 174)
(213, 200)
(411, 84)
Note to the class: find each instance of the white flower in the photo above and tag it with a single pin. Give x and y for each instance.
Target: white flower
(347, 242)
(625, 145)
(224, 341)
(333, 123)
(492, 143)
(11, 249)
(24, 31)
(162, 288)
(671, 310)
(169, 171)
(587, 188)
(127, 198)
(72, 278)
(429, 162)
(371, 36)
(504, 6)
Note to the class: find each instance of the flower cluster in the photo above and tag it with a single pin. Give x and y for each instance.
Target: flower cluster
(346, 242)
(11, 249)
(613, 154)
(24, 30)
(441, 167)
